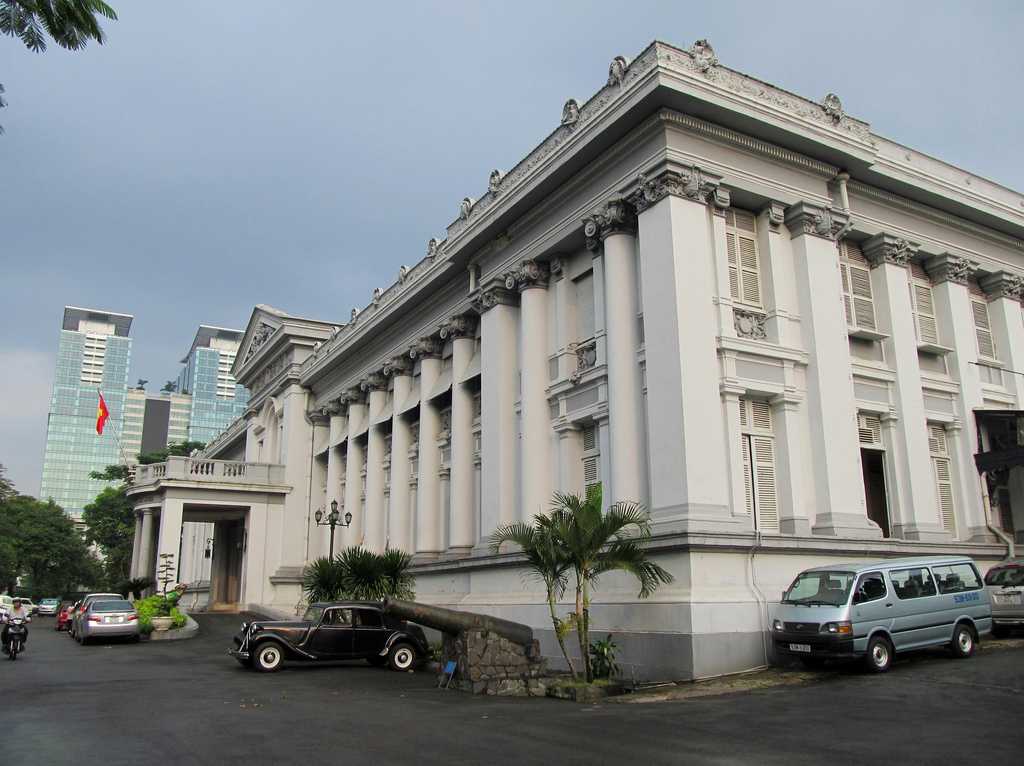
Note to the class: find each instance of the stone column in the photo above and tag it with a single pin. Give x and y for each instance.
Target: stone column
(169, 534)
(613, 230)
(134, 571)
(145, 565)
(376, 387)
(462, 533)
(686, 438)
(791, 464)
(913, 488)
(535, 445)
(353, 535)
(570, 457)
(428, 492)
(334, 468)
(498, 376)
(1004, 310)
(835, 451)
(401, 439)
(953, 313)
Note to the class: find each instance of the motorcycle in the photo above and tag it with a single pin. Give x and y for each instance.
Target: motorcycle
(17, 632)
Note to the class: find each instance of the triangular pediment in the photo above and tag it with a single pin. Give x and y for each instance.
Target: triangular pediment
(270, 332)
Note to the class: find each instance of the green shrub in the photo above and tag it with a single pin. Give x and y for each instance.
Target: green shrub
(158, 606)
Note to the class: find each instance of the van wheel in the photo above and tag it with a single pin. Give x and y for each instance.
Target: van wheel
(963, 643)
(879, 655)
(268, 658)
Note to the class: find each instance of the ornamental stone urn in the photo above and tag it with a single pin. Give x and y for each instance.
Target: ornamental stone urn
(161, 624)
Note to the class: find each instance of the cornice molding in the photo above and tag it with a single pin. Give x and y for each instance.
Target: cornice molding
(886, 248)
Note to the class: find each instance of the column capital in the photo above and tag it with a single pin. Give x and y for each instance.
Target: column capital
(531, 274)
(459, 326)
(808, 218)
(375, 381)
(318, 416)
(351, 396)
(427, 347)
(616, 216)
(497, 293)
(331, 408)
(398, 365)
(947, 267)
(1002, 284)
(688, 183)
(887, 248)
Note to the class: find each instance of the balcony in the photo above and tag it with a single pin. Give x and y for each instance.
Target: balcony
(188, 469)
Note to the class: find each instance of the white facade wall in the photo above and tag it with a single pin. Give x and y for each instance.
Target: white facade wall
(665, 315)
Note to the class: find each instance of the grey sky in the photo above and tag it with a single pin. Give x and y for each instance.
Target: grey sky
(212, 156)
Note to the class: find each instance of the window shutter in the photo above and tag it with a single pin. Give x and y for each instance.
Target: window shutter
(758, 446)
(591, 468)
(869, 429)
(744, 262)
(983, 330)
(590, 438)
(943, 476)
(858, 300)
(924, 313)
(591, 458)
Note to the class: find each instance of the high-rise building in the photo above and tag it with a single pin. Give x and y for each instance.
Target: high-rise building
(153, 421)
(93, 356)
(217, 399)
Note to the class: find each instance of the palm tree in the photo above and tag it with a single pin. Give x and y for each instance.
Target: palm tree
(596, 543)
(546, 561)
(369, 576)
(322, 580)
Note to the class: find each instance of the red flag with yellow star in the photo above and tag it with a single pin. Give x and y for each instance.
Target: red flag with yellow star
(102, 413)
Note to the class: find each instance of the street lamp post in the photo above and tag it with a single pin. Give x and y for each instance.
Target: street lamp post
(333, 520)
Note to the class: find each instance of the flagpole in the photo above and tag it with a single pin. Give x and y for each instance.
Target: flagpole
(120, 448)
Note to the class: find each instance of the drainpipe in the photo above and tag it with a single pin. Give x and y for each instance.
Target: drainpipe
(987, 505)
(758, 594)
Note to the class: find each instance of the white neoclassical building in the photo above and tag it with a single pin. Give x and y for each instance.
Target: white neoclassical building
(739, 306)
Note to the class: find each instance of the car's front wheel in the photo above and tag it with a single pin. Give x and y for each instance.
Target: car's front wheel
(963, 643)
(268, 658)
(401, 657)
(879, 655)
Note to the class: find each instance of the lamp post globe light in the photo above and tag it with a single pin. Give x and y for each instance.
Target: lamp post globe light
(332, 520)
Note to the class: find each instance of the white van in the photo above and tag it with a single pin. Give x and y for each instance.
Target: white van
(871, 611)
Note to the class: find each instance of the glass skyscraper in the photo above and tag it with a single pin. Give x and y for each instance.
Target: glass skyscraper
(217, 399)
(93, 356)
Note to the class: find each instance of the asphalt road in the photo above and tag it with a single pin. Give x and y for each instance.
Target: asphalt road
(187, 702)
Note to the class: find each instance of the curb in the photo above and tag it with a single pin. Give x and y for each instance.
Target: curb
(189, 631)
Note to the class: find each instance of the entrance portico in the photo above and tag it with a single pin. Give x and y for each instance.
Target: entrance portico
(243, 502)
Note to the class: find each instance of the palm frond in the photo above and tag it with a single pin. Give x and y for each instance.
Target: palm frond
(627, 556)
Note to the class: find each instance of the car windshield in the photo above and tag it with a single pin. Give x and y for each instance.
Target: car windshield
(313, 614)
(1011, 574)
(112, 606)
(817, 588)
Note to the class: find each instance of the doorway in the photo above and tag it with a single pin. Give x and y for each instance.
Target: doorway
(226, 569)
(873, 464)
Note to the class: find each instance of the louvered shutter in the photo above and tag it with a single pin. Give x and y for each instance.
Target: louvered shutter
(758, 446)
(869, 429)
(982, 329)
(943, 476)
(924, 312)
(591, 458)
(858, 300)
(744, 262)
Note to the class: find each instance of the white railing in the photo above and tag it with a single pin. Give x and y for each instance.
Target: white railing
(202, 469)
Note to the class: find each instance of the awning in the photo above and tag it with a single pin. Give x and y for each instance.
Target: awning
(444, 383)
(472, 369)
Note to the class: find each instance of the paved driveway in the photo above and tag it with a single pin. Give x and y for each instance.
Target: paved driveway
(188, 702)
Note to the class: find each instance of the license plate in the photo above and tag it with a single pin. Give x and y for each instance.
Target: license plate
(1008, 598)
(806, 648)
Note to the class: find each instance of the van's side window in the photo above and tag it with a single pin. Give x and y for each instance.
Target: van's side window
(912, 583)
(870, 588)
(956, 578)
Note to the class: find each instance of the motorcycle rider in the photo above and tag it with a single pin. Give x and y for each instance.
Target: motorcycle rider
(17, 611)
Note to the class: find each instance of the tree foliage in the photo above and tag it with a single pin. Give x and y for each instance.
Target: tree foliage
(360, 575)
(180, 449)
(6, 487)
(110, 524)
(42, 552)
(72, 24)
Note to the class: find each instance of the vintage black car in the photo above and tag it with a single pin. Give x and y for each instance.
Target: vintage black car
(341, 630)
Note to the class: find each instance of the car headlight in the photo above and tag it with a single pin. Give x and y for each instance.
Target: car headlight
(777, 625)
(837, 628)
